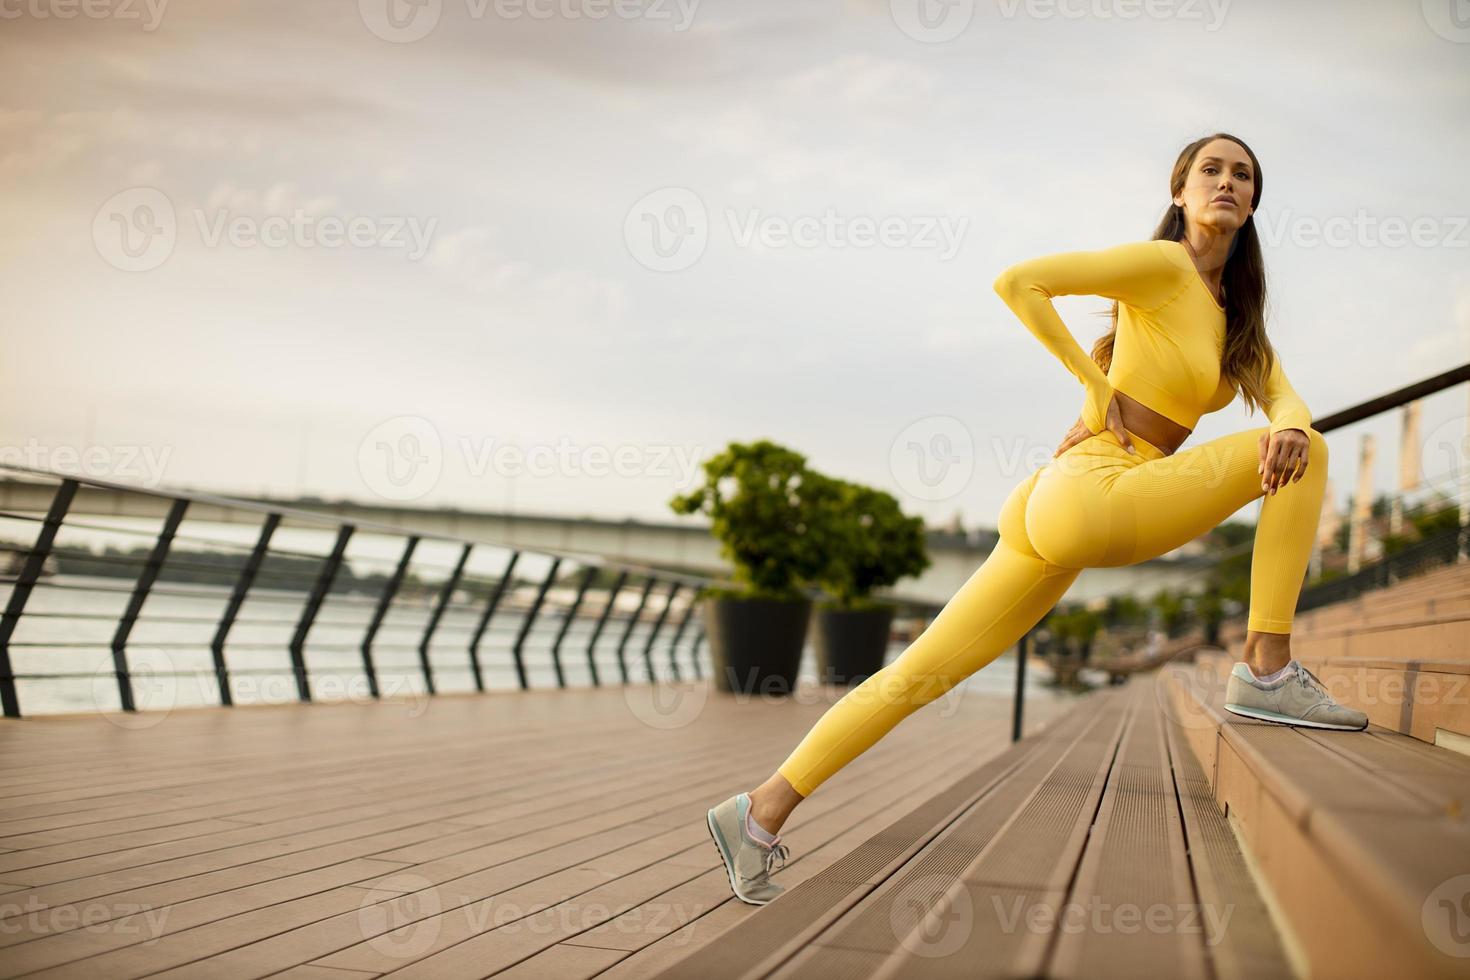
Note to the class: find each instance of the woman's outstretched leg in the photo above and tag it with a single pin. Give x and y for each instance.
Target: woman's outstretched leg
(1008, 594)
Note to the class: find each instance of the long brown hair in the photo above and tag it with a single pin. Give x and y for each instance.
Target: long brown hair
(1248, 355)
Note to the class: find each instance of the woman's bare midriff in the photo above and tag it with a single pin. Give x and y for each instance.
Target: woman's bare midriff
(1158, 429)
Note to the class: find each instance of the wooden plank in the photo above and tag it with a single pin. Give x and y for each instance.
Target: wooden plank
(1006, 859)
(83, 948)
(504, 923)
(503, 948)
(666, 951)
(274, 854)
(330, 826)
(1240, 937)
(1132, 908)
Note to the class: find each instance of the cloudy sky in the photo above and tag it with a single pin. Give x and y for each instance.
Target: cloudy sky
(548, 255)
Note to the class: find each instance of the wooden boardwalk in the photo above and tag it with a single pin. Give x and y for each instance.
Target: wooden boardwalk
(524, 834)
(1094, 850)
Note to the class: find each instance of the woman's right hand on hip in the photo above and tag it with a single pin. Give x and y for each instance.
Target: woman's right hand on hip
(1080, 431)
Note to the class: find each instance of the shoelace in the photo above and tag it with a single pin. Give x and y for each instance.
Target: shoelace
(1311, 681)
(777, 851)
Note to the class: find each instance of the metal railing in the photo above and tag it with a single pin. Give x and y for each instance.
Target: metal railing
(1444, 548)
(659, 594)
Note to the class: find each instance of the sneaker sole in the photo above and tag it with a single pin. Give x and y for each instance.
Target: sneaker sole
(726, 860)
(1263, 715)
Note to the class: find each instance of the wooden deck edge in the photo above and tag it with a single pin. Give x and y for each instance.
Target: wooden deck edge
(1334, 912)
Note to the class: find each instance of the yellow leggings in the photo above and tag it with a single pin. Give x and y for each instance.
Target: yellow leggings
(1095, 506)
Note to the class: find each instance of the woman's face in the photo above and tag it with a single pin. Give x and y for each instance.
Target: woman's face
(1219, 187)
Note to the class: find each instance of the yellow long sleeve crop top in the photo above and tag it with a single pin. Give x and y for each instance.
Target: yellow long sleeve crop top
(1171, 332)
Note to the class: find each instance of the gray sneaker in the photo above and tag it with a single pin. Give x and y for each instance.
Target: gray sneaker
(1298, 699)
(747, 861)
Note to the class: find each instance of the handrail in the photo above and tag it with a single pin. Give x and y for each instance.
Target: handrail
(248, 569)
(1393, 399)
(311, 516)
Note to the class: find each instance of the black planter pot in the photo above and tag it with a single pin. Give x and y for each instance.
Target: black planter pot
(755, 644)
(850, 644)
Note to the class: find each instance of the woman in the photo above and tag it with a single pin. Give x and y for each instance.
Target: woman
(1188, 335)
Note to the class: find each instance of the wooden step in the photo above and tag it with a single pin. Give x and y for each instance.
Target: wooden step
(1361, 838)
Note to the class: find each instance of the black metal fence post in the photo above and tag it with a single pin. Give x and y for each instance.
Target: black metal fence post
(237, 599)
(612, 596)
(484, 624)
(566, 622)
(663, 614)
(531, 618)
(1018, 710)
(141, 588)
(679, 632)
(313, 606)
(632, 622)
(390, 592)
(24, 584)
(445, 595)
(694, 653)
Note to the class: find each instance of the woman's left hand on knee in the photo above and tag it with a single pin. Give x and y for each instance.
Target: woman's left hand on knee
(1283, 458)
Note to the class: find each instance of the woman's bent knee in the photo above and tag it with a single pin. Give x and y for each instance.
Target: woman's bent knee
(1317, 448)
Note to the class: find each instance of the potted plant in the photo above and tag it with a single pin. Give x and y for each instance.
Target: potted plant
(763, 504)
(871, 544)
